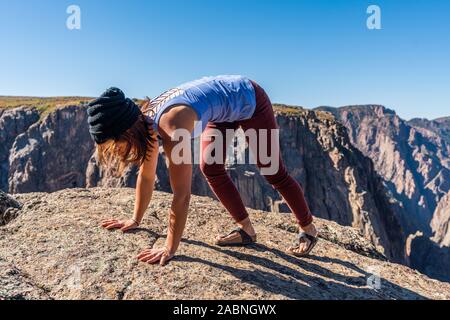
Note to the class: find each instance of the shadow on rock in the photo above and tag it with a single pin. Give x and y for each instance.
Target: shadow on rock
(286, 280)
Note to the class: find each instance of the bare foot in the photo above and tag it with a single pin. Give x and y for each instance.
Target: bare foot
(303, 246)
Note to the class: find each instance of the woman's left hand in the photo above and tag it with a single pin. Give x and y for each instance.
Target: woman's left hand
(155, 255)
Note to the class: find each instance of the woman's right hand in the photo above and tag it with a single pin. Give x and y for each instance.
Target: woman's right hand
(123, 225)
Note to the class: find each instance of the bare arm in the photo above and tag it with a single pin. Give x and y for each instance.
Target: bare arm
(180, 181)
(176, 127)
(145, 184)
(176, 120)
(144, 190)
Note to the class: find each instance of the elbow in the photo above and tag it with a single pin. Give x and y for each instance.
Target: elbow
(146, 178)
(182, 197)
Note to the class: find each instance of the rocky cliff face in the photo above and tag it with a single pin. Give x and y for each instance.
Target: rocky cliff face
(13, 122)
(424, 254)
(438, 131)
(441, 222)
(52, 154)
(413, 160)
(55, 249)
(340, 182)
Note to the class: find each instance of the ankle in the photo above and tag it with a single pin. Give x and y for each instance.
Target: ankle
(309, 229)
(244, 223)
(247, 226)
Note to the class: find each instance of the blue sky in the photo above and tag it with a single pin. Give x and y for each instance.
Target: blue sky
(308, 53)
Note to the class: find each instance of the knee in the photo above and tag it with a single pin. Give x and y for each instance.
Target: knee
(212, 170)
(278, 178)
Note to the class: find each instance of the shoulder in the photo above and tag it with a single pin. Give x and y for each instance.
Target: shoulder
(177, 117)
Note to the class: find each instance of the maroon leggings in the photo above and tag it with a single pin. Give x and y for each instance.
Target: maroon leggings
(221, 183)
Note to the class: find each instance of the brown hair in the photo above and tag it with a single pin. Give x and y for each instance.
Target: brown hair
(131, 147)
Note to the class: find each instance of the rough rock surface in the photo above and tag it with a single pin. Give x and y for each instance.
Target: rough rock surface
(15, 285)
(55, 249)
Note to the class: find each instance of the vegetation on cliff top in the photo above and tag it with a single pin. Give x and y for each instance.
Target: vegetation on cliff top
(45, 105)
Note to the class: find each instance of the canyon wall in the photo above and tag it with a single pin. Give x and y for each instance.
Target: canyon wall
(13, 122)
(413, 158)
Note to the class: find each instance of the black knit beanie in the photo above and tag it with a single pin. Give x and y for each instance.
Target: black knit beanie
(111, 115)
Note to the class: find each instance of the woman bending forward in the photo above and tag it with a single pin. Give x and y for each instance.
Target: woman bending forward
(210, 106)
